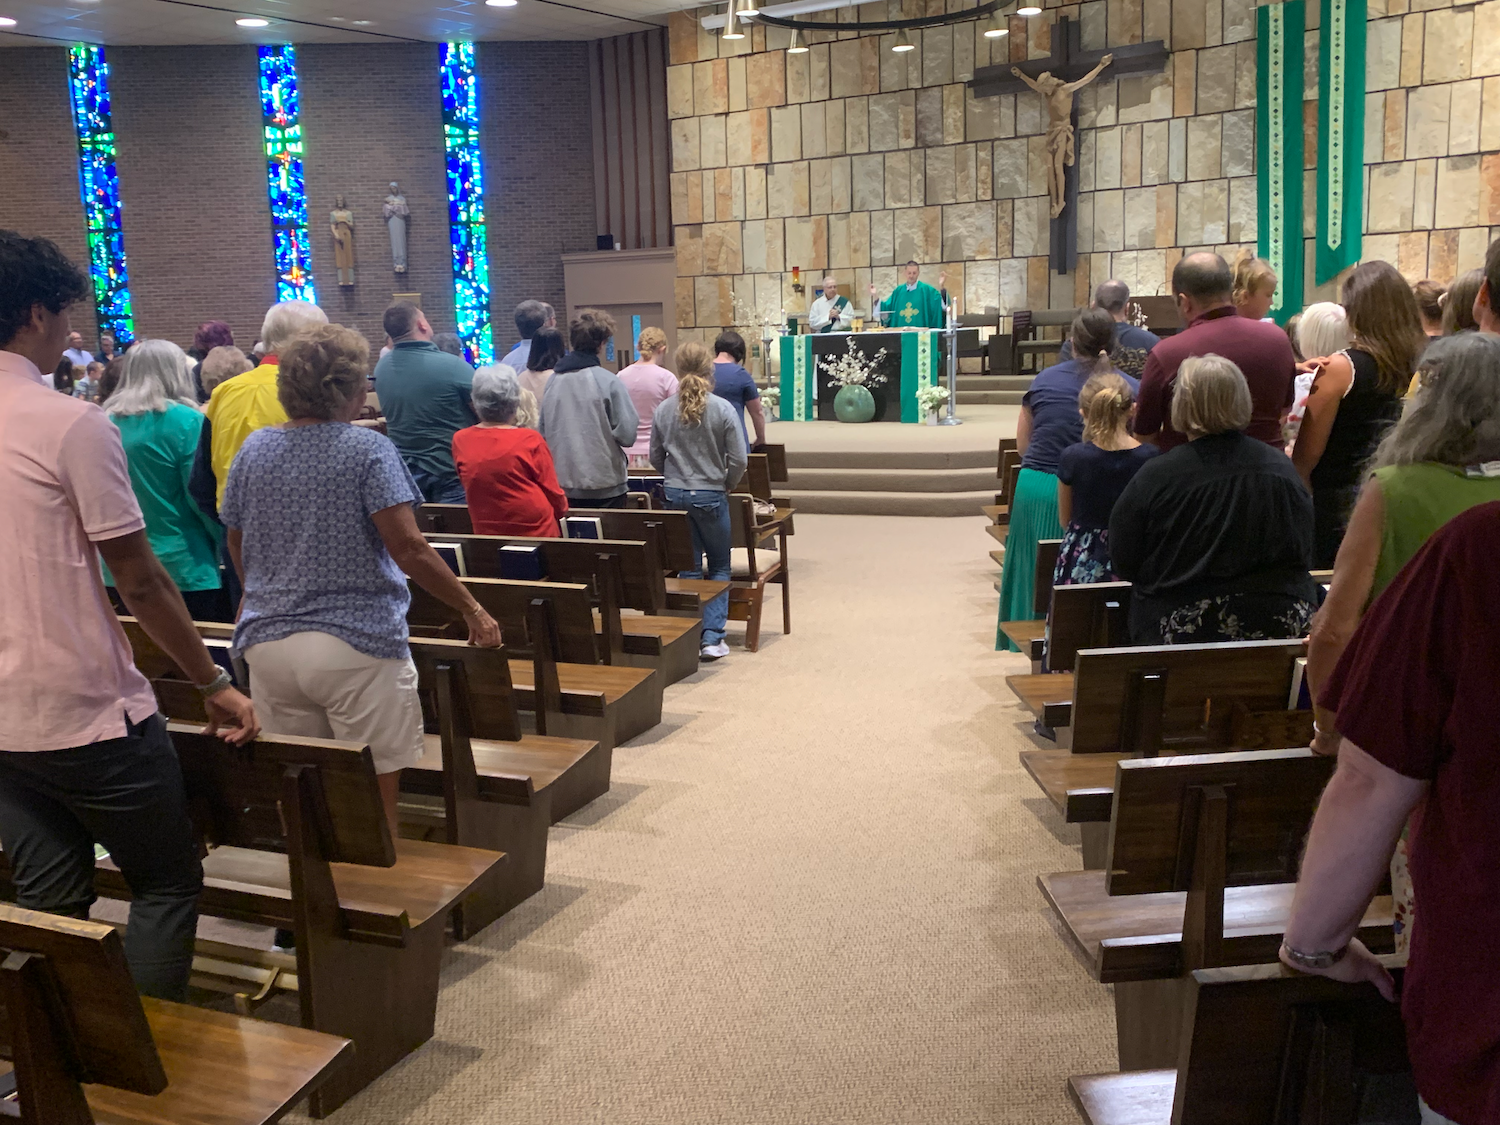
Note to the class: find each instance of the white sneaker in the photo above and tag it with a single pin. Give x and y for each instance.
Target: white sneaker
(713, 652)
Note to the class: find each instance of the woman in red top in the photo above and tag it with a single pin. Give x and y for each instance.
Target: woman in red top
(506, 469)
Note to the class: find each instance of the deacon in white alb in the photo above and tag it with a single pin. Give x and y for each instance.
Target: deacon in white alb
(831, 312)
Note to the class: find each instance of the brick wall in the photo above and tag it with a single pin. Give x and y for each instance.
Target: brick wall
(192, 176)
(539, 173)
(372, 114)
(39, 159)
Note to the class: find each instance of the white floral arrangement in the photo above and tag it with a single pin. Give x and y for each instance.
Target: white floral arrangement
(932, 398)
(853, 368)
(771, 396)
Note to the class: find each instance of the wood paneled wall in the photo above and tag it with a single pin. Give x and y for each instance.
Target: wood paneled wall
(628, 84)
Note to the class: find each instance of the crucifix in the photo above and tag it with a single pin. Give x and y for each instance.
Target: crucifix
(1056, 78)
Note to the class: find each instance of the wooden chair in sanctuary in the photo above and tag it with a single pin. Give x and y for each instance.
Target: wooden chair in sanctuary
(85, 1047)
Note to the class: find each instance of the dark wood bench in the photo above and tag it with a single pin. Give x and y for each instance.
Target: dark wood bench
(572, 685)
(73, 1017)
(1200, 873)
(1259, 1044)
(1031, 636)
(297, 839)
(1122, 703)
(618, 575)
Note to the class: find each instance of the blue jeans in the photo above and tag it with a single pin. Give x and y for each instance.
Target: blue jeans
(708, 519)
(126, 793)
(440, 490)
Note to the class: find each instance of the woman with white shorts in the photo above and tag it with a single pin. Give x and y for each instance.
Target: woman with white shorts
(322, 532)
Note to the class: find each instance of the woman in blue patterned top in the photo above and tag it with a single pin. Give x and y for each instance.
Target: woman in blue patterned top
(322, 532)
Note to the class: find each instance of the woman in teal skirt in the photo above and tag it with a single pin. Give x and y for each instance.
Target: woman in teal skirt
(1050, 422)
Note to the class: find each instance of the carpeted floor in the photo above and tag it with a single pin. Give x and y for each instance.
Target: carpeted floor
(810, 896)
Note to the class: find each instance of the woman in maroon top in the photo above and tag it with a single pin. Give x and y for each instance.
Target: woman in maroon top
(506, 469)
(1420, 719)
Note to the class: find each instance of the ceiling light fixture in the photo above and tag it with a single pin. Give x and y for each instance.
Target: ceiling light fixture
(733, 29)
(998, 27)
(6, 21)
(749, 8)
(251, 21)
(500, 3)
(903, 42)
(1028, 10)
(798, 45)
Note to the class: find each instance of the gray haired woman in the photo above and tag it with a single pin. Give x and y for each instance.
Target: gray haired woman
(506, 469)
(1433, 464)
(1217, 534)
(156, 411)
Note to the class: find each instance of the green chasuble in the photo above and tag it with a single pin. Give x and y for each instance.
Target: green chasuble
(919, 308)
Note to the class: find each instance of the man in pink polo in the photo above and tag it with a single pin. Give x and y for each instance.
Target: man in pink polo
(84, 756)
(1202, 285)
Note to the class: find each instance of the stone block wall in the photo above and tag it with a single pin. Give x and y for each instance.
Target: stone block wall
(852, 158)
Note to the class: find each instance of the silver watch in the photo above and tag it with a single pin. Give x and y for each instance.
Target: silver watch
(217, 684)
(1324, 960)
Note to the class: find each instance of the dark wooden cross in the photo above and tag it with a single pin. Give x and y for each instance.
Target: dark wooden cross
(1070, 62)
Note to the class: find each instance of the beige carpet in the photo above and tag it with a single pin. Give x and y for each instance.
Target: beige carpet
(810, 896)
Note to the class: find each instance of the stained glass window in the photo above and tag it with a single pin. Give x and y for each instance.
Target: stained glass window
(284, 181)
(471, 268)
(99, 185)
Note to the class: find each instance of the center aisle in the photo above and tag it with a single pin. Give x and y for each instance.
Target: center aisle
(810, 895)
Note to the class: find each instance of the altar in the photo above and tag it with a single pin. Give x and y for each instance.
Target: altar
(913, 360)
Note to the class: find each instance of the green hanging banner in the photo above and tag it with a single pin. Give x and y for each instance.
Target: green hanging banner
(1341, 135)
(798, 380)
(1278, 142)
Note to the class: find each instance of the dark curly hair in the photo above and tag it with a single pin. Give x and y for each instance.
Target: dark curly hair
(590, 330)
(33, 271)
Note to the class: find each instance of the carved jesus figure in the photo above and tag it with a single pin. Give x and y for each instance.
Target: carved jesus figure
(1059, 97)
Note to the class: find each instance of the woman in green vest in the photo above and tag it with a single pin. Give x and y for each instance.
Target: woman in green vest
(156, 410)
(1441, 459)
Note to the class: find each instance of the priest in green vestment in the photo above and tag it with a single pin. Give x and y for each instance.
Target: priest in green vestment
(915, 304)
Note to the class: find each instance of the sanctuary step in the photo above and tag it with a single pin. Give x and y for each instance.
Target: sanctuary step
(992, 390)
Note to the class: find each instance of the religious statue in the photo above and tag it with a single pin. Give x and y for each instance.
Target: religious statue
(396, 212)
(1059, 97)
(341, 222)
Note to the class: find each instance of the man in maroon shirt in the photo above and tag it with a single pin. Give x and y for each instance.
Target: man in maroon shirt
(1203, 284)
(1420, 718)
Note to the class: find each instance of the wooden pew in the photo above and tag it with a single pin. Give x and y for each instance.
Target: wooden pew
(1122, 703)
(1260, 1044)
(556, 672)
(753, 568)
(297, 839)
(618, 575)
(1200, 872)
(1031, 636)
(73, 1017)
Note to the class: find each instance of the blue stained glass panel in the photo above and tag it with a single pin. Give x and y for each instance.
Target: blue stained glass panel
(286, 188)
(471, 270)
(99, 188)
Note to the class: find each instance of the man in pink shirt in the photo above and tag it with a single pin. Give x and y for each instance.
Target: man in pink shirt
(84, 756)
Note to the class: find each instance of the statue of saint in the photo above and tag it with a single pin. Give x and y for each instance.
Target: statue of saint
(341, 222)
(396, 212)
(1059, 97)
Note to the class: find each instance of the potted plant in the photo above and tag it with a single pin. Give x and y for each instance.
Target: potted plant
(854, 373)
(770, 397)
(931, 400)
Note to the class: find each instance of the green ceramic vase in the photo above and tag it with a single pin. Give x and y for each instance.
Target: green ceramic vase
(854, 404)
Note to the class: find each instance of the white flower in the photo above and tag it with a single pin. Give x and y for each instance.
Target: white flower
(853, 368)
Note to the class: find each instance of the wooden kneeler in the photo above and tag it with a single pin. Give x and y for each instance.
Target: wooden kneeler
(73, 1019)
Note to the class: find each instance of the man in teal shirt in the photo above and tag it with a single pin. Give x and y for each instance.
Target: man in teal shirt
(424, 394)
(915, 304)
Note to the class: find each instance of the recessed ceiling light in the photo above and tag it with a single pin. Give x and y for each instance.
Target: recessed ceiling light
(501, 3)
(6, 21)
(1028, 10)
(253, 22)
(363, 23)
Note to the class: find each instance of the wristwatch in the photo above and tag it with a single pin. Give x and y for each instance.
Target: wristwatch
(1325, 960)
(217, 684)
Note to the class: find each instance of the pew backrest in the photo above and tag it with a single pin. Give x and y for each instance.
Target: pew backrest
(1157, 817)
(576, 560)
(445, 519)
(1092, 615)
(1047, 551)
(234, 793)
(509, 603)
(78, 976)
(491, 699)
(1176, 698)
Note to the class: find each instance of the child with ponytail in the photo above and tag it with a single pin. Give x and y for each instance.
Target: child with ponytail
(1090, 477)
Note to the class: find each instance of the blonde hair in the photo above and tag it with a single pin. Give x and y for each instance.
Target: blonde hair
(650, 340)
(1251, 275)
(695, 382)
(221, 363)
(1105, 404)
(1210, 397)
(527, 411)
(321, 371)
